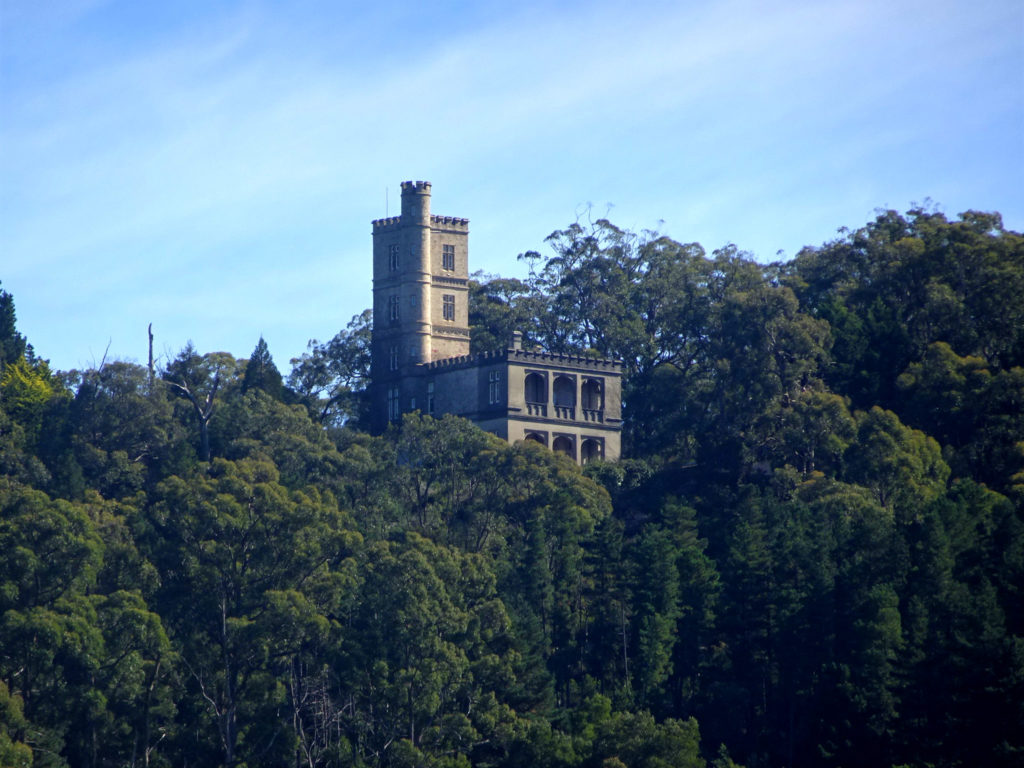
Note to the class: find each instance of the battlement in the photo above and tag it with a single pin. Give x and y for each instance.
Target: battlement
(449, 222)
(413, 187)
(416, 203)
(575, 362)
(391, 221)
(464, 361)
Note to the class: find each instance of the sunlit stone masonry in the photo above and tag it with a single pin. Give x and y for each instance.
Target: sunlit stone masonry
(420, 348)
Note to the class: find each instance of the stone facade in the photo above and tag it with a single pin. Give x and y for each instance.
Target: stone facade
(420, 348)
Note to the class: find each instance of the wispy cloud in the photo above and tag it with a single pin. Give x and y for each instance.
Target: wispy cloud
(203, 168)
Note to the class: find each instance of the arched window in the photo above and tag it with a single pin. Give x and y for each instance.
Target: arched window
(591, 450)
(565, 392)
(537, 437)
(592, 395)
(536, 388)
(563, 444)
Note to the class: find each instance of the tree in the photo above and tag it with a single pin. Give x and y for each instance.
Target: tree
(699, 598)
(196, 378)
(809, 431)
(255, 425)
(497, 308)
(122, 430)
(708, 344)
(903, 466)
(261, 373)
(415, 649)
(635, 739)
(975, 412)
(25, 392)
(13, 726)
(657, 609)
(12, 344)
(252, 571)
(893, 287)
(90, 666)
(332, 378)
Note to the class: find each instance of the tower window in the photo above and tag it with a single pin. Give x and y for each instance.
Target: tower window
(449, 306)
(430, 398)
(494, 387)
(394, 358)
(393, 257)
(394, 408)
(393, 307)
(448, 257)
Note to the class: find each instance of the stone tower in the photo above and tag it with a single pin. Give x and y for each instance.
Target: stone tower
(420, 349)
(420, 297)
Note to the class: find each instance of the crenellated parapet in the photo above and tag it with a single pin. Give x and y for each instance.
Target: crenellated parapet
(392, 222)
(422, 187)
(450, 223)
(464, 361)
(440, 222)
(575, 362)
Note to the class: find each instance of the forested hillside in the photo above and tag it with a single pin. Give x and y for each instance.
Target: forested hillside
(812, 556)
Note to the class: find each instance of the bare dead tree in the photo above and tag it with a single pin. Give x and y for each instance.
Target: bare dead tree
(203, 408)
(152, 368)
(316, 719)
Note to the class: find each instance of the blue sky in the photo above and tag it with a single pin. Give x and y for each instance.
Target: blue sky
(213, 168)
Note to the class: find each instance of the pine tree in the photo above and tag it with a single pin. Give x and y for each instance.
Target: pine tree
(261, 373)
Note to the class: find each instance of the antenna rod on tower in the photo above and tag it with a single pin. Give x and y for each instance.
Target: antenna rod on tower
(386, 202)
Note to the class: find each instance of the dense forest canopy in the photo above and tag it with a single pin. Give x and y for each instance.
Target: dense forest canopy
(812, 556)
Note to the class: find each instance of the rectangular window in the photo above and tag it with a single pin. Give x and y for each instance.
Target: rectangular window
(393, 257)
(394, 410)
(449, 306)
(494, 387)
(394, 358)
(430, 398)
(448, 257)
(393, 307)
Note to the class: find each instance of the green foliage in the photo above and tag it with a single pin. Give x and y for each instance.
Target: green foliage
(976, 414)
(635, 739)
(25, 392)
(12, 344)
(903, 467)
(13, 725)
(331, 379)
(900, 284)
(123, 431)
(196, 379)
(497, 308)
(815, 548)
(261, 373)
(249, 586)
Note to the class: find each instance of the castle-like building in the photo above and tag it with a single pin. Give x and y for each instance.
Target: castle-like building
(420, 348)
